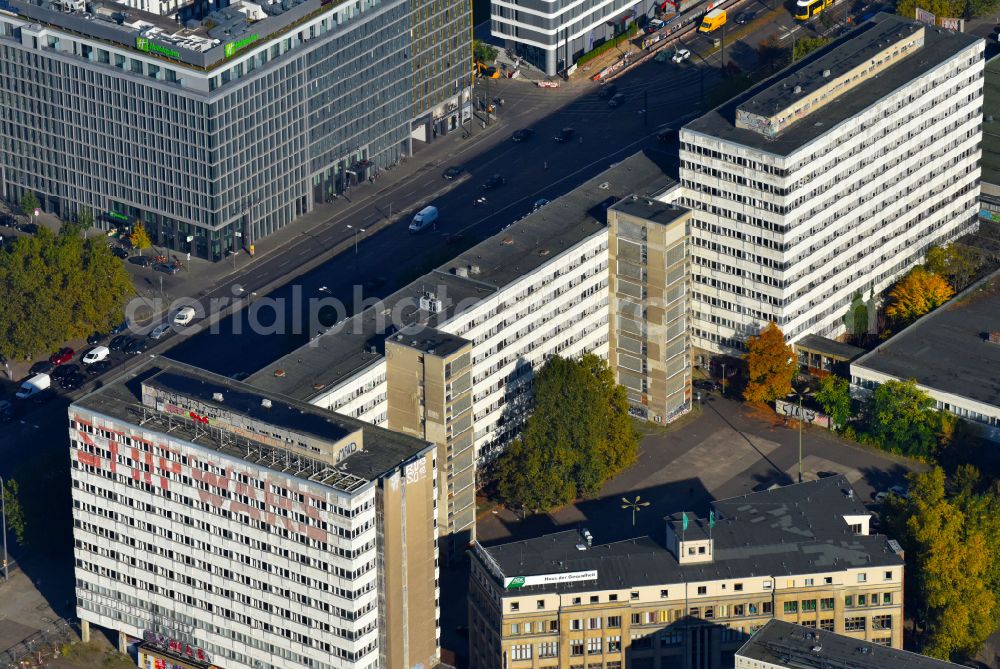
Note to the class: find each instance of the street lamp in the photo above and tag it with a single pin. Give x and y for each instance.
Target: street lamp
(636, 505)
(3, 529)
(356, 231)
(799, 394)
(236, 235)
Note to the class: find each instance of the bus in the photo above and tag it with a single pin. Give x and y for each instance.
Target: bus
(806, 9)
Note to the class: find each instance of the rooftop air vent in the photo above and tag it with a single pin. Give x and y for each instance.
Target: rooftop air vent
(460, 271)
(266, 403)
(797, 90)
(994, 337)
(543, 252)
(826, 73)
(507, 241)
(217, 397)
(817, 648)
(604, 185)
(473, 269)
(279, 373)
(319, 386)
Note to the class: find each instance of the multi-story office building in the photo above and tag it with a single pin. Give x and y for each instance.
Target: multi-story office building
(783, 645)
(648, 288)
(817, 184)
(224, 526)
(537, 289)
(216, 133)
(553, 34)
(802, 553)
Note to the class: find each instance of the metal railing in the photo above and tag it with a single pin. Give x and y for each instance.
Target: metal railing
(40, 648)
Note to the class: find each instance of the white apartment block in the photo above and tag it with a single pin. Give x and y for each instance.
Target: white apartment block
(538, 288)
(220, 526)
(553, 34)
(831, 178)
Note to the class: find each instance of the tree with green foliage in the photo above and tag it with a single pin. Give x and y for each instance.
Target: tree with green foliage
(856, 318)
(806, 45)
(29, 203)
(956, 262)
(58, 287)
(903, 419)
(770, 366)
(834, 395)
(139, 237)
(483, 52)
(578, 436)
(85, 218)
(953, 566)
(13, 511)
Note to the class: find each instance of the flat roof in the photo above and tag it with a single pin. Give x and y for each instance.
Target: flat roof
(430, 340)
(830, 347)
(795, 529)
(939, 46)
(383, 449)
(789, 645)
(948, 349)
(991, 128)
(649, 209)
(470, 277)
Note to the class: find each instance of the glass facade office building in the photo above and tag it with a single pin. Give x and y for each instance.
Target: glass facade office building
(215, 151)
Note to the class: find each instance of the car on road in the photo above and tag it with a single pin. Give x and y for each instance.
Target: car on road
(880, 497)
(159, 331)
(607, 91)
(523, 134)
(681, 55)
(141, 261)
(63, 371)
(745, 18)
(617, 100)
(65, 354)
(452, 172)
(494, 182)
(166, 268)
(706, 384)
(539, 203)
(662, 56)
(72, 382)
(826, 475)
(666, 134)
(119, 343)
(136, 346)
(95, 354)
(95, 338)
(184, 316)
(119, 252)
(900, 491)
(565, 135)
(118, 329)
(41, 367)
(99, 367)
(33, 387)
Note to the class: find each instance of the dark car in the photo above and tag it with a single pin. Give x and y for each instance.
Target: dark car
(666, 134)
(617, 100)
(118, 329)
(119, 343)
(41, 367)
(705, 384)
(137, 346)
(452, 172)
(62, 371)
(523, 134)
(166, 268)
(745, 18)
(494, 181)
(141, 261)
(607, 91)
(73, 381)
(119, 252)
(28, 228)
(564, 135)
(96, 338)
(826, 475)
(65, 354)
(99, 367)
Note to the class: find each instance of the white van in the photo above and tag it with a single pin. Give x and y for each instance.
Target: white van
(96, 354)
(424, 219)
(33, 386)
(184, 316)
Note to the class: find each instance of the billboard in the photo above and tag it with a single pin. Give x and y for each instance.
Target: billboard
(925, 17)
(515, 582)
(957, 25)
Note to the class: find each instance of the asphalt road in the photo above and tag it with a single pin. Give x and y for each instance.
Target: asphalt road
(538, 168)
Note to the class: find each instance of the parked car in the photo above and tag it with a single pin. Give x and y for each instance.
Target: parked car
(900, 491)
(184, 316)
(120, 328)
(681, 55)
(41, 367)
(880, 497)
(119, 252)
(159, 331)
(64, 370)
(96, 354)
(73, 381)
(539, 203)
(523, 134)
(607, 91)
(452, 172)
(617, 100)
(565, 135)
(95, 338)
(166, 268)
(137, 346)
(141, 261)
(745, 18)
(99, 367)
(494, 181)
(666, 134)
(662, 56)
(65, 354)
(119, 343)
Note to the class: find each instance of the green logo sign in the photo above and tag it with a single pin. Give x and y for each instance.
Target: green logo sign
(516, 582)
(118, 217)
(233, 47)
(143, 44)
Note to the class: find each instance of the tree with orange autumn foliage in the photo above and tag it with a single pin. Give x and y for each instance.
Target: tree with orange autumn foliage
(770, 366)
(916, 294)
